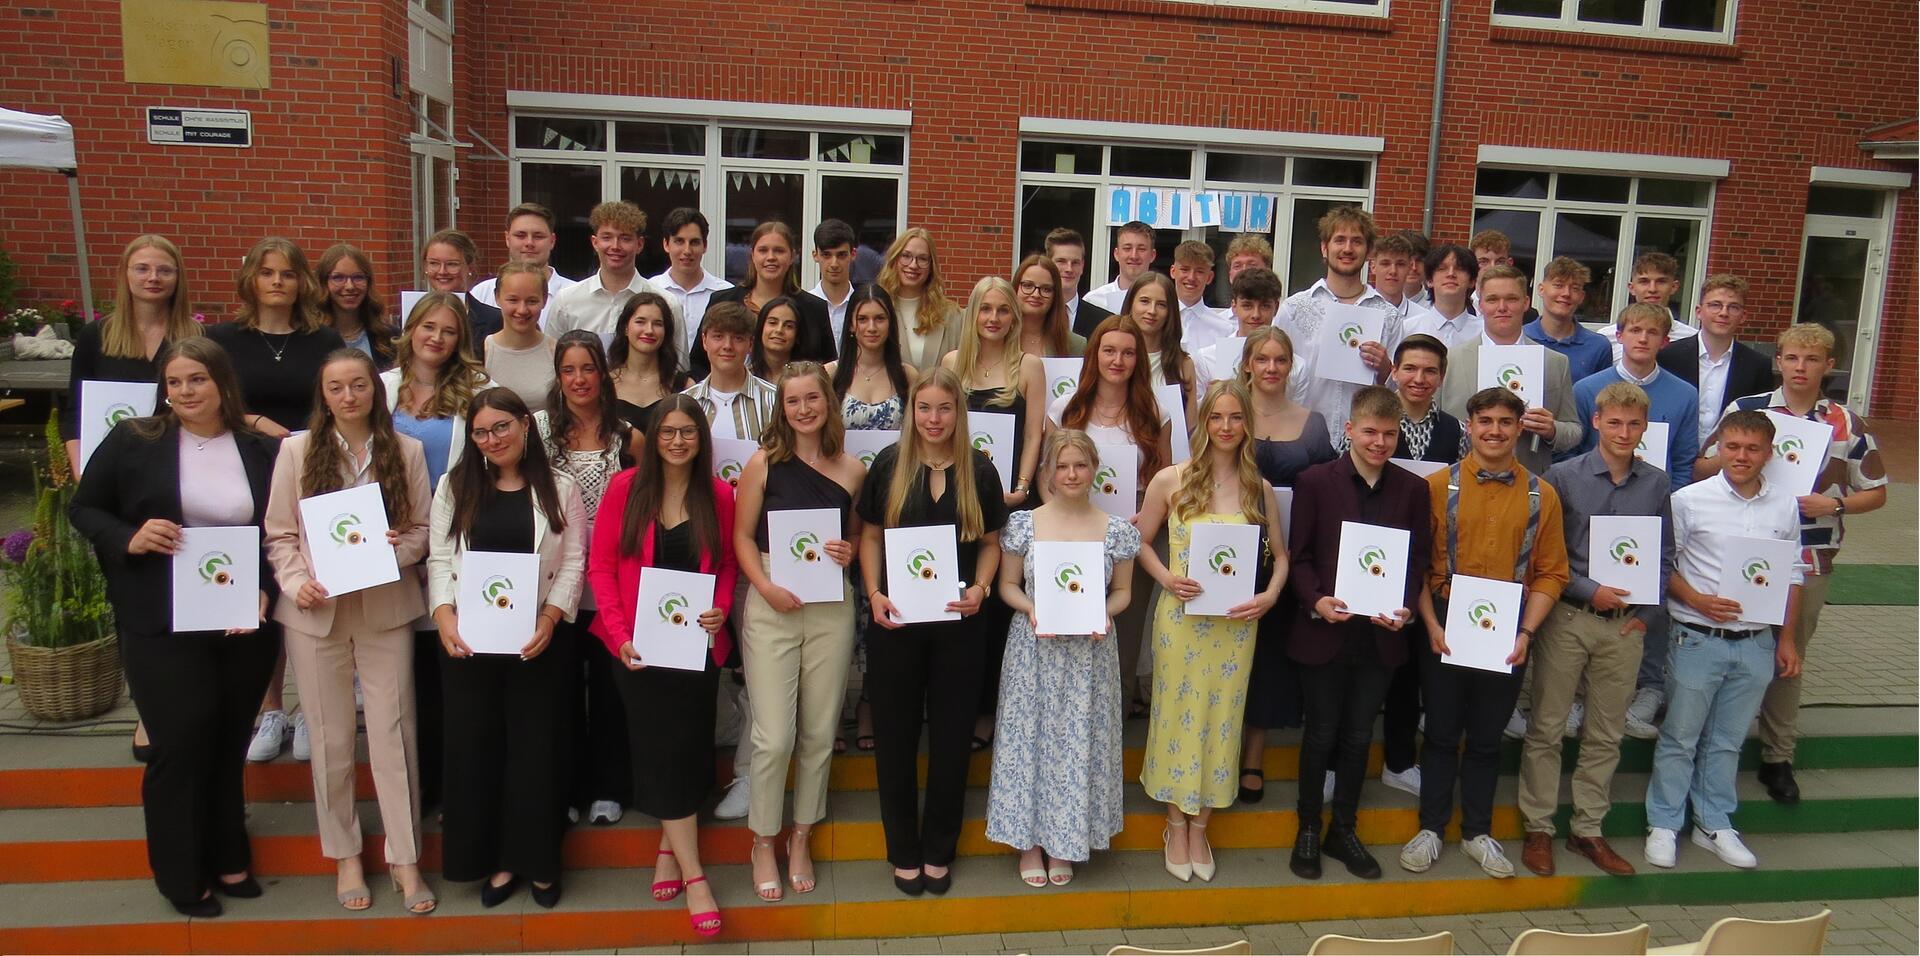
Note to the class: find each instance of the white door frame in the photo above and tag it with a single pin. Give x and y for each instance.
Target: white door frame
(1873, 292)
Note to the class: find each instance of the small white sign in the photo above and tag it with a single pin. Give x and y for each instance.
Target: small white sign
(346, 534)
(797, 554)
(1483, 617)
(106, 404)
(993, 436)
(175, 126)
(730, 458)
(1758, 572)
(865, 444)
(1371, 576)
(666, 619)
(1116, 482)
(1623, 551)
(923, 573)
(410, 299)
(1069, 587)
(1799, 452)
(497, 599)
(1063, 376)
(1173, 407)
(1342, 331)
(1224, 558)
(1520, 369)
(216, 579)
(1653, 447)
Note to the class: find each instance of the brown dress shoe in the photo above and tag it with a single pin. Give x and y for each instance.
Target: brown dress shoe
(1602, 855)
(1538, 854)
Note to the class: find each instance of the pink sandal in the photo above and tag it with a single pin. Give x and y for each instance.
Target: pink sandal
(708, 923)
(666, 891)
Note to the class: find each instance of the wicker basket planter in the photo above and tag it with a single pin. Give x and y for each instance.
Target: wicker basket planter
(67, 683)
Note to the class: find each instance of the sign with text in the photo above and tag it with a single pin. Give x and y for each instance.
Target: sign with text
(1186, 209)
(168, 125)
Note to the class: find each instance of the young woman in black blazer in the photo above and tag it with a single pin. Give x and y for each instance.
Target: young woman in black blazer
(198, 690)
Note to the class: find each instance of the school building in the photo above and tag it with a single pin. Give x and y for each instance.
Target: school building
(1773, 140)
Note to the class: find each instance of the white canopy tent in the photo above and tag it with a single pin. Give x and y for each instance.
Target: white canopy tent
(32, 141)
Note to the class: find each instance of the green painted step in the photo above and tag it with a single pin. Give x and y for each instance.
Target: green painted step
(1895, 585)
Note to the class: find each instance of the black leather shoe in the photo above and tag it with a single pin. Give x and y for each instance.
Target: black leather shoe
(492, 896)
(246, 889)
(143, 753)
(939, 885)
(1249, 794)
(1778, 778)
(548, 897)
(205, 908)
(1346, 847)
(1305, 863)
(911, 887)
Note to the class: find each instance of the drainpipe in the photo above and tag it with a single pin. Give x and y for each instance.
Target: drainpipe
(1433, 128)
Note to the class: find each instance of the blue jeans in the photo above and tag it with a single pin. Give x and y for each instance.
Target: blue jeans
(1714, 689)
(1653, 654)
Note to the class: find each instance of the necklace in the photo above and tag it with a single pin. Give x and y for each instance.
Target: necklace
(1109, 418)
(286, 339)
(200, 444)
(940, 466)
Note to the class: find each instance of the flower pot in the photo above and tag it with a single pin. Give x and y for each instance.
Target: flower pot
(67, 683)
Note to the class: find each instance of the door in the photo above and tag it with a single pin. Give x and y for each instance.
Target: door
(1843, 260)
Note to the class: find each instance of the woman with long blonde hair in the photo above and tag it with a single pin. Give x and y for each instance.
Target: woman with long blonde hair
(929, 326)
(1201, 664)
(932, 478)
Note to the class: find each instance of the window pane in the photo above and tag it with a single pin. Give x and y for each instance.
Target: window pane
(1151, 162)
(657, 192)
(1708, 15)
(1510, 183)
(1347, 173)
(571, 192)
(1673, 192)
(1679, 238)
(1593, 188)
(763, 143)
(1593, 240)
(1221, 290)
(754, 198)
(1301, 259)
(672, 139)
(1046, 208)
(863, 148)
(1064, 158)
(1247, 168)
(442, 194)
(871, 207)
(1832, 285)
(1520, 228)
(548, 132)
(1613, 11)
(1840, 201)
(1528, 8)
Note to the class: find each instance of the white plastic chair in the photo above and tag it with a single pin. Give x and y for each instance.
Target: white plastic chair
(1547, 942)
(1759, 937)
(1439, 944)
(1236, 948)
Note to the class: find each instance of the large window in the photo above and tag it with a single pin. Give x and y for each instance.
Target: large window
(1066, 183)
(431, 144)
(1602, 219)
(1708, 21)
(738, 173)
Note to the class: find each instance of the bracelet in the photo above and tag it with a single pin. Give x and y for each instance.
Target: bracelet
(1527, 631)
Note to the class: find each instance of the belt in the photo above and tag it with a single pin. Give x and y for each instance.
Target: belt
(1613, 615)
(1723, 633)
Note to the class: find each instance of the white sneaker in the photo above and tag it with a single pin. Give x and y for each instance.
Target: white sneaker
(1726, 845)
(269, 738)
(573, 815)
(604, 813)
(302, 744)
(1641, 714)
(1420, 852)
(1486, 851)
(1326, 790)
(733, 805)
(1575, 716)
(1661, 850)
(1517, 725)
(1407, 781)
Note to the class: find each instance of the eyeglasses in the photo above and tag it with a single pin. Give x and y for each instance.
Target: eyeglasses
(497, 432)
(907, 259)
(684, 433)
(341, 278)
(1732, 308)
(1035, 288)
(165, 272)
(442, 265)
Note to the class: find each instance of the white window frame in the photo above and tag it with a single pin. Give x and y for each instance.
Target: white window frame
(430, 41)
(1649, 26)
(1199, 140)
(1879, 236)
(713, 116)
(1378, 10)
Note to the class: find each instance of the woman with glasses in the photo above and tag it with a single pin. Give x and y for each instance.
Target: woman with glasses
(773, 272)
(504, 808)
(448, 261)
(1045, 327)
(350, 305)
(646, 364)
(929, 322)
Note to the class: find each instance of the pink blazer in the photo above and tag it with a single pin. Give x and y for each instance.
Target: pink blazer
(615, 577)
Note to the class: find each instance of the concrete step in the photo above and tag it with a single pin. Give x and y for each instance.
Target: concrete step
(610, 907)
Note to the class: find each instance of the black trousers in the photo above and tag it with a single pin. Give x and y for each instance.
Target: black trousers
(429, 715)
(598, 766)
(504, 801)
(1341, 698)
(935, 669)
(996, 617)
(1470, 704)
(198, 693)
(1401, 724)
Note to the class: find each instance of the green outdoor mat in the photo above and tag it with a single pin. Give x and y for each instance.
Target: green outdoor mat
(1883, 584)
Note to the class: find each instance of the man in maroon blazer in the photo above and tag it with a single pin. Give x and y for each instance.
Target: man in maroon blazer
(1347, 661)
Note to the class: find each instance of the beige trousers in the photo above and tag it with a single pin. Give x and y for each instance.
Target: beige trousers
(796, 667)
(1573, 644)
(1780, 709)
(324, 666)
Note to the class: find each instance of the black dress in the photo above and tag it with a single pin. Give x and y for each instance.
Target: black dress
(1273, 689)
(277, 371)
(997, 615)
(92, 364)
(670, 713)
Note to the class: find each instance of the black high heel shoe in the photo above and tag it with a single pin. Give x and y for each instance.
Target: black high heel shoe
(247, 889)
(939, 885)
(910, 886)
(204, 908)
(547, 896)
(492, 896)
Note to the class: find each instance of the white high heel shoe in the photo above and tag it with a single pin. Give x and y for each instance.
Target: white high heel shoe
(1203, 870)
(1181, 871)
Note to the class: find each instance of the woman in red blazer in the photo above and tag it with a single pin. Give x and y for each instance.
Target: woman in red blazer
(668, 511)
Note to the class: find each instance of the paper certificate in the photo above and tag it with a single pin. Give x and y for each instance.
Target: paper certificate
(497, 599)
(730, 458)
(346, 534)
(1175, 408)
(1653, 445)
(1342, 330)
(1063, 376)
(1420, 469)
(1116, 482)
(864, 443)
(1225, 362)
(993, 435)
(407, 301)
(1283, 499)
(797, 554)
(666, 618)
(1520, 368)
(1224, 558)
(106, 404)
(923, 573)
(1069, 587)
(1758, 572)
(1799, 452)
(216, 579)
(1483, 618)
(1623, 551)
(1372, 572)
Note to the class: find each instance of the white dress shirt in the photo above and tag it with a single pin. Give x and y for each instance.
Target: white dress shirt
(1201, 325)
(1706, 514)
(1108, 297)
(836, 311)
(588, 305)
(1218, 361)
(556, 283)
(1300, 317)
(1464, 327)
(1713, 387)
(689, 305)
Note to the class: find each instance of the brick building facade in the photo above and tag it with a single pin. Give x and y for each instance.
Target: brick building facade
(1771, 140)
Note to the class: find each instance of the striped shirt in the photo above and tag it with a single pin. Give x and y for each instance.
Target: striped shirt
(749, 412)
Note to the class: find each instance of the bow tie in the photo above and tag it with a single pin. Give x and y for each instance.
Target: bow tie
(1503, 477)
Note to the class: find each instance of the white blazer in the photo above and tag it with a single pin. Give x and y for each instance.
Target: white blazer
(391, 379)
(563, 557)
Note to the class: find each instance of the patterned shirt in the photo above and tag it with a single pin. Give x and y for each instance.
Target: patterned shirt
(1853, 464)
(750, 411)
(1300, 317)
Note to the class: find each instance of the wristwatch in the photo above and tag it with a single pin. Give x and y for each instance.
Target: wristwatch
(1839, 505)
(986, 590)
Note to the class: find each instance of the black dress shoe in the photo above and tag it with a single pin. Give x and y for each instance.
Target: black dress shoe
(247, 889)
(1249, 794)
(910, 886)
(939, 885)
(204, 908)
(1305, 863)
(549, 896)
(492, 896)
(1778, 778)
(143, 753)
(1345, 846)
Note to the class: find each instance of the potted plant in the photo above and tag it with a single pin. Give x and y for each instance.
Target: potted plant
(60, 638)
